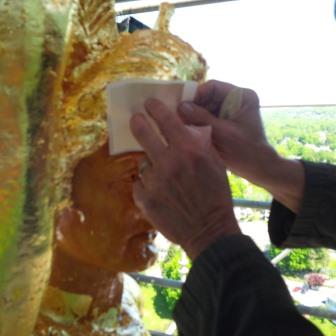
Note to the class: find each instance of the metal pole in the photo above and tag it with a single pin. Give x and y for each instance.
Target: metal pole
(157, 333)
(313, 311)
(317, 311)
(144, 8)
(280, 256)
(157, 281)
(251, 204)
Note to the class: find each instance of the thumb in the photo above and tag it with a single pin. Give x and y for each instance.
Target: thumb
(193, 114)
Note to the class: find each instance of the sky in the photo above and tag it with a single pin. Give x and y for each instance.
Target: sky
(285, 50)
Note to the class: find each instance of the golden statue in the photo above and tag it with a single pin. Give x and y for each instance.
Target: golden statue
(56, 58)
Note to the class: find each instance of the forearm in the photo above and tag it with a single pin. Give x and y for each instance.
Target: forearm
(283, 178)
(305, 215)
(286, 183)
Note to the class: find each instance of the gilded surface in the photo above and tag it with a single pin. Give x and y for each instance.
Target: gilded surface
(71, 311)
(56, 57)
(28, 36)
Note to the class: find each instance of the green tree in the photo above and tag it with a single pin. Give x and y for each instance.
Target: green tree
(166, 298)
(238, 186)
(301, 261)
(327, 327)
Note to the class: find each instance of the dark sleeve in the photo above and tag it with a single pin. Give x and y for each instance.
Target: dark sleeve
(315, 225)
(233, 290)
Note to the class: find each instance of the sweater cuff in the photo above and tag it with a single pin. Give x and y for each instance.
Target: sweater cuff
(308, 228)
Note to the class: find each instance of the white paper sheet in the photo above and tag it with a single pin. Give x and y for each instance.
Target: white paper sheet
(128, 97)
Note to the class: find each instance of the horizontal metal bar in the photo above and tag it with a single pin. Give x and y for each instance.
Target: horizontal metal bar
(136, 9)
(157, 333)
(299, 105)
(304, 310)
(157, 281)
(318, 312)
(282, 255)
(251, 204)
(313, 311)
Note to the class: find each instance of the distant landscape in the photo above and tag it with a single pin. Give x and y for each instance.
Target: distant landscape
(296, 132)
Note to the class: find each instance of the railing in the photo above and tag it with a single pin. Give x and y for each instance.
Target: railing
(136, 7)
(251, 204)
(312, 311)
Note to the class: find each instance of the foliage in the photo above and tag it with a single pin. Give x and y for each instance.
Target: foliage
(242, 189)
(327, 327)
(301, 261)
(304, 132)
(296, 132)
(238, 186)
(332, 268)
(166, 298)
(151, 318)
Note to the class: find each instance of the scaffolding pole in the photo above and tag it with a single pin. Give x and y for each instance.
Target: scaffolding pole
(123, 8)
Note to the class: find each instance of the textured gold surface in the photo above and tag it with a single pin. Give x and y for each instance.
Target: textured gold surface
(60, 307)
(163, 20)
(56, 57)
(31, 44)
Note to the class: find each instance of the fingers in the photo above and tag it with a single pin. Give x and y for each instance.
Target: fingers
(169, 123)
(192, 114)
(211, 94)
(147, 137)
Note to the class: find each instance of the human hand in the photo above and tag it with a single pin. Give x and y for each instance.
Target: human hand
(184, 190)
(241, 142)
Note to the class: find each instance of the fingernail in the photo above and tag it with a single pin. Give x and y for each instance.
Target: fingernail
(186, 108)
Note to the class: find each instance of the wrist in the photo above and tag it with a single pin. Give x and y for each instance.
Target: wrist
(288, 187)
(210, 234)
(284, 180)
(266, 159)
